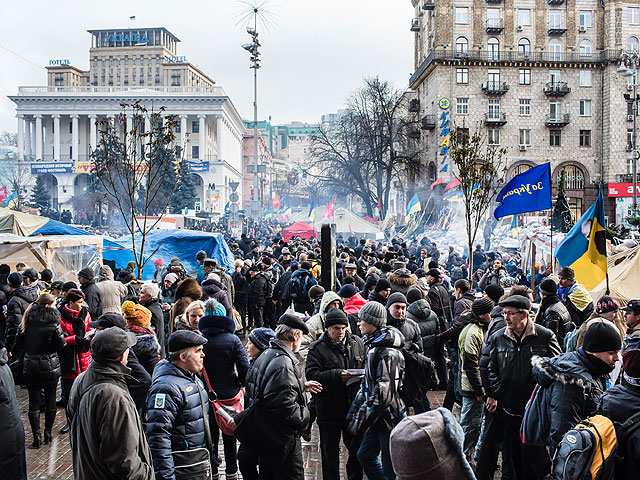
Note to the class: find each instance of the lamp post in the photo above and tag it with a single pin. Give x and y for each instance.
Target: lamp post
(629, 63)
(252, 48)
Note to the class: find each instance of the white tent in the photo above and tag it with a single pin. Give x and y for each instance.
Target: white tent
(345, 220)
(624, 274)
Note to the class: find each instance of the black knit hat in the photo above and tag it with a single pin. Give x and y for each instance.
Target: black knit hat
(548, 287)
(335, 316)
(382, 284)
(602, 336)
(414, 294)
(396, 297)
(86, 273)
(261, 337)
(494, 292)
(481, 305)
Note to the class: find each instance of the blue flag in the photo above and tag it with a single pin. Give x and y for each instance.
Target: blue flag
(528, 192)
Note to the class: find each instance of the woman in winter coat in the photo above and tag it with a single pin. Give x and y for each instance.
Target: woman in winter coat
(147, 348)
(226, 364)
(212, 288)
(41, 339)
(75, 357)
(111, 292)
(188, 291)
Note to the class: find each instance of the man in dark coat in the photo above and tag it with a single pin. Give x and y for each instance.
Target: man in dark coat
(274, 381)
(13, 463)
(149, 298)
(438, 298)
(328, 361)
(552, 313)
(21, 297)
(93, 297)
(107, 437)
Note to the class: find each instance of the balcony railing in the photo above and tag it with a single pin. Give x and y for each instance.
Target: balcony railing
(504, 56)
(428, 5)
(415, 25)
(428, 122)
(494, 25)
(556, 89)
(495, 88)
(494, 1)
(496, 120)
(558, 120)
(120, 89)
(555, 2)
(556, 28)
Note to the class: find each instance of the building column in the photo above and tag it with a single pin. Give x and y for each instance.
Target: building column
(219, 127)
(202, 136)
(75, 145)
(28, 138)
(93, 132)
(183, 135)
(56, 137)
(38, 136)
(20, 137)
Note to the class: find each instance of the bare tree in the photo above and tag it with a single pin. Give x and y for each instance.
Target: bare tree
(15, 176)
(131, 167)
(9, 138)
(368, 147)
(480, 168)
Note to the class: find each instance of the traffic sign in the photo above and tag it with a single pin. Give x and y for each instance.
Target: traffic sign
(233, 207)
(234, 197)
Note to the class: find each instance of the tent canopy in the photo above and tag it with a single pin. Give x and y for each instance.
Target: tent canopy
(624, 272)
(345, 221)
(303, 229)
(18, 223)
(165, 244)
(53, 227)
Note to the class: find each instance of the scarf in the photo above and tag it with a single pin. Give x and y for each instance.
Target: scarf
(563, 294)
(140, 330)
(597, 367)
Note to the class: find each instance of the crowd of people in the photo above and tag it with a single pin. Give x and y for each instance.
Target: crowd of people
(158, 378)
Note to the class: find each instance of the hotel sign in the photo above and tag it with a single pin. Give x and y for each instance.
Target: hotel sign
(59, 62)
(180, 59)
(126, 37)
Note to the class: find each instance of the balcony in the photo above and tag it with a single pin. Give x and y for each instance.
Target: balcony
(558, 120)
(556, 89)
(428, 5)
(414, 105)
(555, 2)
(494, 1)
(494, 25)
(495, 88)
(556, 28)
(428, 122)
(415, 25)
(495, 120)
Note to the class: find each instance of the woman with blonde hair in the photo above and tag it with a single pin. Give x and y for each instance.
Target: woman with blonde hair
(42, 339)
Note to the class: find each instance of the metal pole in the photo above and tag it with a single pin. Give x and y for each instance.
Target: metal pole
(634, 165)
(256, 185)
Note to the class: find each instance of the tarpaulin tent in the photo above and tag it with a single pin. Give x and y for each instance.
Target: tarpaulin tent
(624, 272)
(65, 255)
(18, 223)
(53, 227)
(165, 244)
(303, 229)
(345, 221)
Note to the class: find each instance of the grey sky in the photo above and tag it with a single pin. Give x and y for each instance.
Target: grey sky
(314, 57)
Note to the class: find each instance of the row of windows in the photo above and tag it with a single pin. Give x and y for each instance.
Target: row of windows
(555, 108)
(524, 76)
(524, 46)
(158, 60)
(524, 137)
(555, 16)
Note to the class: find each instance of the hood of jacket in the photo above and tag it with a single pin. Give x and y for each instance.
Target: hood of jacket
(354, 304)
(420, 310)
(212, 324)
(4, 356)
(39, 315)
(568, 368)
(189, 288)
(385, 337)
(28, 293)
(400, 278)
(211, 285)
(105, 273)
(327, 298)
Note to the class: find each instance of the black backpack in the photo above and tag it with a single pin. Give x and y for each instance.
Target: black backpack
(417, 376)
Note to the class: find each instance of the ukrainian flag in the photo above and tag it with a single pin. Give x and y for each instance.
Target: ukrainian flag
(584, 248)
(413, 206)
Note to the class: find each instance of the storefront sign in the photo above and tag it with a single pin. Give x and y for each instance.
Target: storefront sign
(83, 167)
(199, 166)
(445, 130)
(57, 167)
(622, 189)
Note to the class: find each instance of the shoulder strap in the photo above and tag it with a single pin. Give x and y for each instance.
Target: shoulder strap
(629, 426)
(205, 416)
(212, 394)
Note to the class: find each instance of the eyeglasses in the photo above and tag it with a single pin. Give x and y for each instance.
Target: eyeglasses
(511, 314)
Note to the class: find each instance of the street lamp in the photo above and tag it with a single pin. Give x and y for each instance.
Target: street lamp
(629, 62)
(252, 48)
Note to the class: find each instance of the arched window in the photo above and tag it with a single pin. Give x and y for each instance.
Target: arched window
(524, 46)
(523, 167)
(493, 49)
(555, 49)
(632, 44)
(462, 45)
(585, 48)
(573, 177)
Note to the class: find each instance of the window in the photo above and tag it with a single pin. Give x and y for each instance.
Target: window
(554, 76)
(585, 138)
(630, 138)
(524, 76)
(493, 17)
(585, 78)
(524, 46)
(195, 127)
(524, 17)
(525, 137)
(585, 18)
(555, 50)
(493, 79)
(554, 138)
(555, 19)
(629, 165)
(494, 109)
(71, 127)
(462, 75)
(525, 107)
(195, 151)
(462, 15)
(555, 110)
(573, 177)
(585, 108)
(462, 45)
(520, 169)
(59, 79)
(462, 106)
(634, 15)
(493, 49)
(177, 128)
(493, 136)
(632, 43)
(585, 48)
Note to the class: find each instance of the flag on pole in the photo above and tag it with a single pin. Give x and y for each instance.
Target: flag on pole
(584, 247)
(413, 206)
(276, 202)
(379, 206)
(3, 193)
(528, 192)
(329, 210)
(452, 184)
(132, 17)
(313, 204)
(437, 182)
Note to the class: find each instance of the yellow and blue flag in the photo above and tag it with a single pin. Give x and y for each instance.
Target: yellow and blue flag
(413, 206)
(584, 248)
(528, 192)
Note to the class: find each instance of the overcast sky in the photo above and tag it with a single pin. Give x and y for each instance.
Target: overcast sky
(312, 59)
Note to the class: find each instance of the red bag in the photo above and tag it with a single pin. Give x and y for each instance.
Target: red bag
(222, 408)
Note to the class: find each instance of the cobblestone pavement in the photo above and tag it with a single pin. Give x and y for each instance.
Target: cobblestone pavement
(53, 461)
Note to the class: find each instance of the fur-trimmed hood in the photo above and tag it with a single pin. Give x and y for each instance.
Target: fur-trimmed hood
(568, 368)
(212, 324)
(188, 288)
(400, 278)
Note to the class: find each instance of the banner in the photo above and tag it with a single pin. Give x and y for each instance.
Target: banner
(528, 192)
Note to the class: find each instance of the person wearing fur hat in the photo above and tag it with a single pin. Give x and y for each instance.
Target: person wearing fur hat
(429, 446)
(378, 406)
(575, 381)
(401, 280)
(147, 348)
(188, 291)
(328, 362)
(212, 288)
(552, 313)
